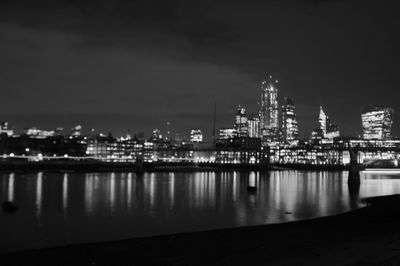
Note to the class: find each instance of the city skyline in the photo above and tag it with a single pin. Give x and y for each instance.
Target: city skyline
(203, 132)
(137, 65)
(285, 127)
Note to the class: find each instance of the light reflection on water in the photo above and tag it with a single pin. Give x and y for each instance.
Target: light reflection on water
(62, 208)
(39, 184)
(65, 194)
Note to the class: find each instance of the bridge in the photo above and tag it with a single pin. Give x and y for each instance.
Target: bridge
(381, 163)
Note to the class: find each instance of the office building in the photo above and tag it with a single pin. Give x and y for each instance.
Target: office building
(327, 130)
(196, 135)
(226, 133)
(241, 126)
(269, 110)
(290, 129)
(377, 122)
(253, 125)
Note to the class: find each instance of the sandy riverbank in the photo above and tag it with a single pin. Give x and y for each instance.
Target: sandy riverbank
(368, 236)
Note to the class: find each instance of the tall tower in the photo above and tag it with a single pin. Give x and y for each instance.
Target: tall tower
(254, 127)
(215, 121)
(168, 135)
(241, 125)
(290, 128)
(326, 130)
(322, 120)
(269, 108)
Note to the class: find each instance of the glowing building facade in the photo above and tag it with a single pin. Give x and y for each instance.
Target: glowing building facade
(196, 135)
(322, 121)
(240, 150)
(269, 109)
(327, 130)
(226, 133)
(34, 132)
(377, 122)
(290, 128)
(254, 127)
(241, 125)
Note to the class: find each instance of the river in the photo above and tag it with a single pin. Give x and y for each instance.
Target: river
(65, 208)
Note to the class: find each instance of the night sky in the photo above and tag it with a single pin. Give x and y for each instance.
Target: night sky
(119, 65)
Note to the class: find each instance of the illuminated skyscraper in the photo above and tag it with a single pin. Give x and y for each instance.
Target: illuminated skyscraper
(196, 136)
(254, 127)
(269, 109)
(241, 126)
(290, 127)
(377, 122)
(322, 121)
(326, 130)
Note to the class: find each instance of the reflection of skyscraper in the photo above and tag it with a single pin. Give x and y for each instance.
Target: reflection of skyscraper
(269, 108)
(377, 122)
(241, 122)
(290, 127)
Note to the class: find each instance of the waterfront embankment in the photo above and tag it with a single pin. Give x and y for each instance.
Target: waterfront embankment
(367, 236)
(89, 165)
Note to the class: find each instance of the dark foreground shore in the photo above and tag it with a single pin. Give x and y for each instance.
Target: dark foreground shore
(368, 236)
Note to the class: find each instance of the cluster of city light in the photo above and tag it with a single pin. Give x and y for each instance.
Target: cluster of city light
(266, 125)
(377, 122)
(272, 135)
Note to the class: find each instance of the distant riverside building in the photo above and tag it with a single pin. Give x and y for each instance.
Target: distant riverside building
(34, 132)
(58, 131)
(269, 110)
(76, 131)
(290, 128)
(5, 129)
(377, 122)
(327, 130)
(226, 133)
(111, 149)
(157, 134)
(241, 126)
(240, 150)
(254, 127)
(196, 135)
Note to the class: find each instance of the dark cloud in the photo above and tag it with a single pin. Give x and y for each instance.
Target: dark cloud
(164, 60)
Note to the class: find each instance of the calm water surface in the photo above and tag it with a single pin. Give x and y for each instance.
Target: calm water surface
(63, 208)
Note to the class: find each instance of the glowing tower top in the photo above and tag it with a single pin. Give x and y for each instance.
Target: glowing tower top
(269, 104)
